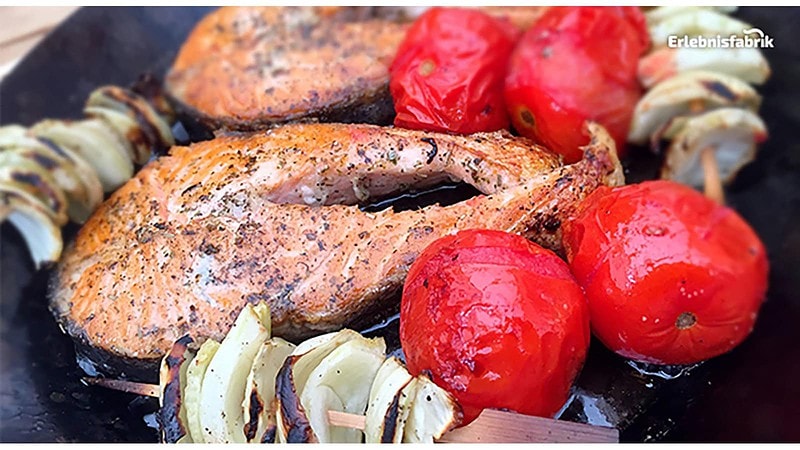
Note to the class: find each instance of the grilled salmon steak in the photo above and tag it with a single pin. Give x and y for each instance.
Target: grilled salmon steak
(251, 67)
(274, 217)
(247, 68)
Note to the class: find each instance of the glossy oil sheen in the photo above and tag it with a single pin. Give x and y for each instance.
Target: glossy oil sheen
(671, 277)
(749, 395)
(498, 321)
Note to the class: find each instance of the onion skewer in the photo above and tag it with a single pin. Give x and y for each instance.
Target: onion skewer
(490, 426)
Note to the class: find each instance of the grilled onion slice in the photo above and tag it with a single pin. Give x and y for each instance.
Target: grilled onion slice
(205, 397)
(127, 130)
(172, 420)
(293, 424)
(747, 64)
(732, 133)
(29, 176)
(35, 223)
(688, 92)
(71, 172)
(390, 399)
(93, 141)
(65, 176)
(194, 384)
(222, 394)
(259, 400)
(154, 130)
(696, 22)
(433, 413)
(58, 160)
(341, 382)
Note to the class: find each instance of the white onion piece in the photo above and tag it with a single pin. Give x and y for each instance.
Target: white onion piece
(222, 394)
(94, 142)
(433, 413)
(732, 133)
(303, 360)
(747, 64)
(172, 416)
(194, 384)
(390, 398)
(70, 171)
(11, 134)
(127, 130)
(259, 401)
(698, 22)
(681, 94)
(314, 350)
(341, 382)
(65, 177)
(137, 108)
(24, 174)
(34, 223)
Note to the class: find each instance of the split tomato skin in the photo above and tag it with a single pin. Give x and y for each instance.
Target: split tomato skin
(448, 73)
(671, 277)
(497, 320)
(576, 64)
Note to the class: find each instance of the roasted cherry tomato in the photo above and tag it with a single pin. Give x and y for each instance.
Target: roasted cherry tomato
(671, 277)
(576, 64)
(448, 73)
(497, 320)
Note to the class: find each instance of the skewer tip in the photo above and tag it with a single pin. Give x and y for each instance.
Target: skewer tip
(131, 387)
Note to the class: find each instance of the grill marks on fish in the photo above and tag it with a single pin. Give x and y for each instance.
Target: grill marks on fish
(252, 235)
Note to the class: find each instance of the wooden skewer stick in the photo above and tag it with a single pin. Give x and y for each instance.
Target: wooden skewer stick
(346, 420)
(712, 183)
(131, 387)
(501, 427)
(491, 426)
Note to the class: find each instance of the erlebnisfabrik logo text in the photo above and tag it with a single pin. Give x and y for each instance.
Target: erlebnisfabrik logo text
(750, 38)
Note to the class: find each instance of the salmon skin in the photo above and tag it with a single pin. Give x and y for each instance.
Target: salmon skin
(274, 217)
(245, 68)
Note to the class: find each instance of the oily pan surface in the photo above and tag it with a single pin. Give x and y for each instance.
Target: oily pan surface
(748, 395)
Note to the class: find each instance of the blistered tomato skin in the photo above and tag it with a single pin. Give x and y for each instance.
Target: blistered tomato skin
(671, 277)
(498, 321)
(448, 73)
(576, 64)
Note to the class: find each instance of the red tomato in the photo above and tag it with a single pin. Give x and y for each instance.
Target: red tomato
(671, 277)
(576, 64)
(448, 73)
(499, 321)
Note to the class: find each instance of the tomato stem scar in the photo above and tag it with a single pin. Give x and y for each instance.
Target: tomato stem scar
(685, 320)
(427, 67)
(527, 117)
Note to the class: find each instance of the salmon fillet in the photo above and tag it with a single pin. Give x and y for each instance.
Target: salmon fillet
(273, 217)
(251, 67)
(248, 68)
